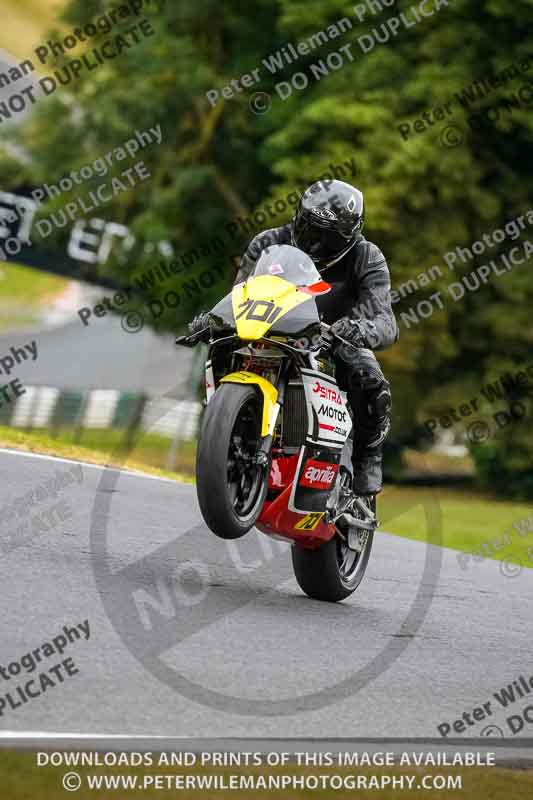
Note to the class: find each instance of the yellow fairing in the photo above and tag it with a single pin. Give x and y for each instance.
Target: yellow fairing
(261, 301)
(270, 395)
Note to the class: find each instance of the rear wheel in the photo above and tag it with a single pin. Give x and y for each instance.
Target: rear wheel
(231, 486)
(333, 571)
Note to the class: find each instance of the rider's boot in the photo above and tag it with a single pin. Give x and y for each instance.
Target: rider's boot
(368, 457)
(368, 473)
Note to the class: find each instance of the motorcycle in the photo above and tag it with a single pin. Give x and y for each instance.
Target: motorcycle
(274, 448)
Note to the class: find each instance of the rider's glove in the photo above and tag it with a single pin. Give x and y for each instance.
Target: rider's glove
(326, 339)
(350, 330)
(200, 322)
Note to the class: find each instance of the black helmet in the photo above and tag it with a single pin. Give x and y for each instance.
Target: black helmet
(328, 221)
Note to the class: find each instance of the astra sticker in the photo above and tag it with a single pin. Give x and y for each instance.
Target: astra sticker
(327, 393)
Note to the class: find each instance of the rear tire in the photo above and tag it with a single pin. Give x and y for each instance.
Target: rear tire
(327, 573)
(229, 510)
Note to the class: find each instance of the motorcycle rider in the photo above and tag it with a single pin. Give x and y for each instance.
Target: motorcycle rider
(328, 226)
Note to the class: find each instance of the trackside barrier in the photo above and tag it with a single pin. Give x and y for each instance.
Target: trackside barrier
(49, 408)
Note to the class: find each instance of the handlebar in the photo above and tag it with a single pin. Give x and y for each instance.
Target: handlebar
(325, 344)
(192, 339)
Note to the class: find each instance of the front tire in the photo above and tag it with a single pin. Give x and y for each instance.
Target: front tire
(332, 572)
(231, 489)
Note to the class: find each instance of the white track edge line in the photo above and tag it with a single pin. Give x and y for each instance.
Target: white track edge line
(101, 467)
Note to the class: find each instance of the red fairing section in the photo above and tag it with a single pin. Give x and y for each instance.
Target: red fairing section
(316, 288)
(318, 474)
(277, 519)
(282, 472)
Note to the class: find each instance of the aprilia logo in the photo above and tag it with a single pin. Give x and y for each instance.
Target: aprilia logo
(318, 475)
(314, 475)
(327, 393)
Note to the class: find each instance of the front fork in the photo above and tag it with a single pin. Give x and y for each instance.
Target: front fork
(263, 455)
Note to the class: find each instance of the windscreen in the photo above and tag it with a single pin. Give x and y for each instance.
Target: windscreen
(285, 261)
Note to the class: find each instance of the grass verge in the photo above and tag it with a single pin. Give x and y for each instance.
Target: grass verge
(24, 293)
(109, 455)
(476, 524)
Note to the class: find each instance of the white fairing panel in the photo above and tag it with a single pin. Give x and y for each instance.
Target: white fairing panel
(209, 381)
(329, 421)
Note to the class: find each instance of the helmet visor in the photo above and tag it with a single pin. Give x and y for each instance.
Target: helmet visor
(321, 244)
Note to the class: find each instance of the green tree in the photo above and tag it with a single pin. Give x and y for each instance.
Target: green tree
(424, 198)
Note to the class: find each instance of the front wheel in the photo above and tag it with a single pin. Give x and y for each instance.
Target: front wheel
(231, 486)
(332, 572)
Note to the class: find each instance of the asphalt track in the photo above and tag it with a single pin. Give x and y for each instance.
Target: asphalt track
(237, 650)
(102, 355)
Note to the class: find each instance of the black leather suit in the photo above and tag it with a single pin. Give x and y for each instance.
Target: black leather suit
(361, 290)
